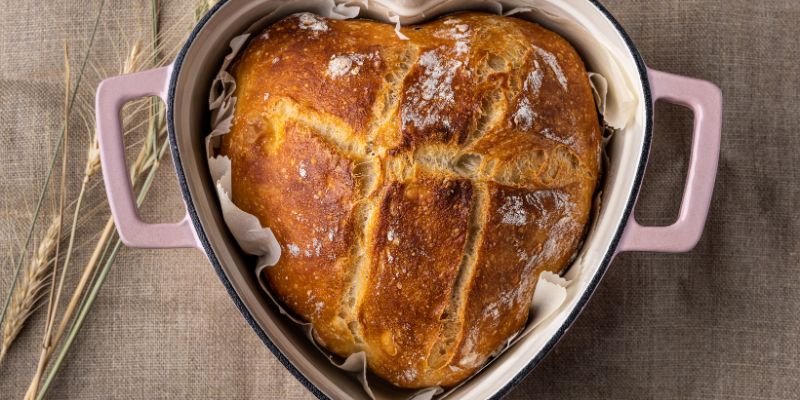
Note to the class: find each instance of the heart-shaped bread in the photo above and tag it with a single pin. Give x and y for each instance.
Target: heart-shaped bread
(417, 187)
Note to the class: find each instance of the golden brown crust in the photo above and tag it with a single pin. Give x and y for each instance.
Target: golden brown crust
(310, 213)
(525, 232)
(412, 273)
(418, 188)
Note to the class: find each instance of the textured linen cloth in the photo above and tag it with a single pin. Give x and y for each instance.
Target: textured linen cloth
(718, 322)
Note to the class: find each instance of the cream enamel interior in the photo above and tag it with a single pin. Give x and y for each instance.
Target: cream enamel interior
(190, 119)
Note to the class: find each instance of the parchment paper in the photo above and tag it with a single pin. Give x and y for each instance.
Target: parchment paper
(254, 239)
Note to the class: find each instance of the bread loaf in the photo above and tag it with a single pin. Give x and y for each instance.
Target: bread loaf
(417, 187)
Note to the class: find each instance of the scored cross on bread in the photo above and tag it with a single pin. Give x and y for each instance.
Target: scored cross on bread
(417, 187)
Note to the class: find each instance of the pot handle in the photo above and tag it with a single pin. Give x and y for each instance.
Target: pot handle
(112, 94)
(705, 101)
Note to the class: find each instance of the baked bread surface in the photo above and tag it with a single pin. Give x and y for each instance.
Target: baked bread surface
(417, 187)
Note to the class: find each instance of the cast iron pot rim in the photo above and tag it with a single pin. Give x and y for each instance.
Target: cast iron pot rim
(587, 294)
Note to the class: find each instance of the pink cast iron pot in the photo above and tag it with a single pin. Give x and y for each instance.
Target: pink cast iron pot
(184, 87)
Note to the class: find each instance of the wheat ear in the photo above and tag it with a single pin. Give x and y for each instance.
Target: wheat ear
(30, 287)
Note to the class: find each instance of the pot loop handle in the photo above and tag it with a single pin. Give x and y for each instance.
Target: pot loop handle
(705, 101)
(112, 94)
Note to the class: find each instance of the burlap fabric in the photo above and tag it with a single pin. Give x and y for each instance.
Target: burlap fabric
(719, 322)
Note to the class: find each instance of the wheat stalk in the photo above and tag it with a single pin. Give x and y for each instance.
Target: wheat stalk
(55, 294)
(132, 64)
(153, 149)
(48, 175)
(203, 7)
(146, 162)
(40, 267)
(30, 287)
(92, 166)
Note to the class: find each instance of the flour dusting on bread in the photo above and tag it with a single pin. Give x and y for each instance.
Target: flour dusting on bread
(341, 65)
(457, 31)
(312, 22)
(533, 82)
(513, 211)
(428, 98)
(524, 115)
(551, 135)
(552, 61)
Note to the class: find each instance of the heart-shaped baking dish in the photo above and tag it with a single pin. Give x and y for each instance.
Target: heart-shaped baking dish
(185, 85)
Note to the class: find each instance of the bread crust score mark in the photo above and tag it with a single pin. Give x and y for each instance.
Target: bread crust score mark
(418, 187)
